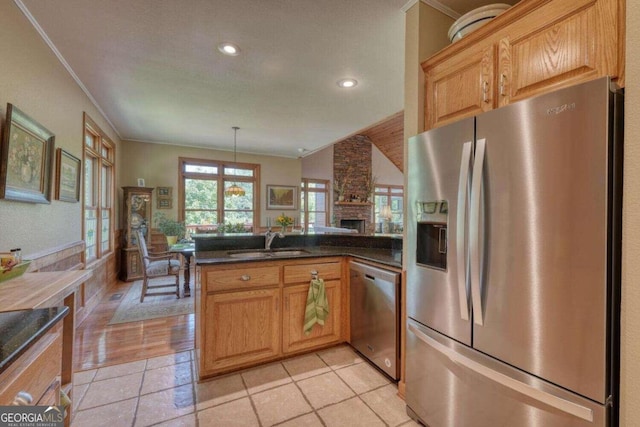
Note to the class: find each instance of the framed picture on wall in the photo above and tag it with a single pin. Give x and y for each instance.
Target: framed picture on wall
(26, 159)
(67, 177)
(164, 203)
(164, 192)
(281, 197)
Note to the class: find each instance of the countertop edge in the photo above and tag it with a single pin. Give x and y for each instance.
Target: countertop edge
(26, 345)
(372, 255)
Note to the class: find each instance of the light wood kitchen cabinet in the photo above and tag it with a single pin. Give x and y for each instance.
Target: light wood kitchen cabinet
(295, 302)
(460, 86)
(535, 47)
(253, 312)
(37, 372)
(241, 328)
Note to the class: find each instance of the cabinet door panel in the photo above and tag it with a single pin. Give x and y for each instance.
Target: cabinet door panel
(579, 46)
(461, 86)
(241, 327)
(295, 298)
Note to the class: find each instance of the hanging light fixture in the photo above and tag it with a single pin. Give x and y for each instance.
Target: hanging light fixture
(234, 189)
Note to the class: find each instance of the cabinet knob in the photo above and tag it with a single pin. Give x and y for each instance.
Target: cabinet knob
(22, 399)
(245, 277)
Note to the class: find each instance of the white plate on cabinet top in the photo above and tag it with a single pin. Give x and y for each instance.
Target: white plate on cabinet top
(475, 19)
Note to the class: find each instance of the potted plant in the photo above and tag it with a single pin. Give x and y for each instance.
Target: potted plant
(172, 229)
(340, 184)
(284, 221)
(370, 188)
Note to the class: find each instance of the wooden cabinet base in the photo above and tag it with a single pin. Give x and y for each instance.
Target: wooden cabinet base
(255, 314)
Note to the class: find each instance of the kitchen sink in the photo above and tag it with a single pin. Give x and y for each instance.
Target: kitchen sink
(289, 253)
(249, 254)
(267, 253)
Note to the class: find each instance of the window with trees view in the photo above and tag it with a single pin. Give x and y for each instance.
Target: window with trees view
(314, 202)
(203, 202)
(392, 196)
(99, 163)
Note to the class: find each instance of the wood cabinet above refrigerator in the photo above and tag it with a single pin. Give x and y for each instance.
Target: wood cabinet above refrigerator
(535, 47)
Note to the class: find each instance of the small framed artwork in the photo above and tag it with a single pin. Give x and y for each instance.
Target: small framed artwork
(26, 159)
(444, 207)
(140, 182)
(164, 192)
(164, 203)
(67, 177)
(281, 197)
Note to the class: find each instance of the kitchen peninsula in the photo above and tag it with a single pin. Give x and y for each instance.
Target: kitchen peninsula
(250, 302)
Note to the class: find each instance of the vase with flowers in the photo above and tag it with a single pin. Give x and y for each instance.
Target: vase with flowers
(284, 221)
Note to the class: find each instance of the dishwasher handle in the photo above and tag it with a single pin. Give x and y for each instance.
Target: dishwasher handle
(373, 273)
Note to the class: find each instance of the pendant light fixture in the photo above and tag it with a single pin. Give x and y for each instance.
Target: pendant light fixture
(234, 189)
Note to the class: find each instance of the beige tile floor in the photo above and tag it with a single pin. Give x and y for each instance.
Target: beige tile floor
(333, 387)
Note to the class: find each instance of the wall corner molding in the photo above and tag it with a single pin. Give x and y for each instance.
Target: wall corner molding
(434, 4)
(23, 8)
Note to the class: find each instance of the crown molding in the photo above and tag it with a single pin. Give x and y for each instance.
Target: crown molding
(23, 8)
(434, 4)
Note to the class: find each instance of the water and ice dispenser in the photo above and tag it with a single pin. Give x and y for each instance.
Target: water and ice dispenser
(431, 245)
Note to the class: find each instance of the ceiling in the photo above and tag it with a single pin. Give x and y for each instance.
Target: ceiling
(154, 70)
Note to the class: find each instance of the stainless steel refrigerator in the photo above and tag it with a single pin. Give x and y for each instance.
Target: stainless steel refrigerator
(513, 273)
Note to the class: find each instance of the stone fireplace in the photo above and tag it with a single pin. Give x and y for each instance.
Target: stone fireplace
(352, 159)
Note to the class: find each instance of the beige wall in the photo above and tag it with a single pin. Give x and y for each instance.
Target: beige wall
(382, 168)
(319, 165)
(33, 79)
(158, 165)
(630, 375)
(426, 33)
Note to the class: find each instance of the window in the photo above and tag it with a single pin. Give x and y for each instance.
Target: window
(392, 196)
(203, 202)
(314, 202)
(99, 163)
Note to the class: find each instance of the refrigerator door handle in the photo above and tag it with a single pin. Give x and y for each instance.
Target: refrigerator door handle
(461, 256)
(474, 232)
(511, 383)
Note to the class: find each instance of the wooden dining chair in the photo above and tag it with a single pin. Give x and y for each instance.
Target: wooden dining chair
(155, 265)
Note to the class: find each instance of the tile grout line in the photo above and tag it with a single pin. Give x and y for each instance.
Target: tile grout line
(135, 412)
(304, 396)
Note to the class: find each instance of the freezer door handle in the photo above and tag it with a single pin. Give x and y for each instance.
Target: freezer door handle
(474, 232)
(461, 255)
(497, 377)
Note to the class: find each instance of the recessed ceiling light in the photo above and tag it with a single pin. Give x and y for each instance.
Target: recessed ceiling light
(229, 49)
(347, 83)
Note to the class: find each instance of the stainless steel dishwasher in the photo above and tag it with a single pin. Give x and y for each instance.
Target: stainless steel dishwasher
(375, 308)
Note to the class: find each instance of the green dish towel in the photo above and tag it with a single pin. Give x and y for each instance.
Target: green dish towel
(317, 305)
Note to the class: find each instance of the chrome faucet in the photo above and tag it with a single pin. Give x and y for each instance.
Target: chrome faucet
(269, 236)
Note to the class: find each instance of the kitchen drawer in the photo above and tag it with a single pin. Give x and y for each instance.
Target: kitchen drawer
(241, 278)
(301, 273)
(36, 370)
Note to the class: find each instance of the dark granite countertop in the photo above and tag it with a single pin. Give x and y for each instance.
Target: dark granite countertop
(19, 330)
(214, 249)
(389, 257)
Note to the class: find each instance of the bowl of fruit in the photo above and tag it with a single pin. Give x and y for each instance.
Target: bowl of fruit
(10, 268)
